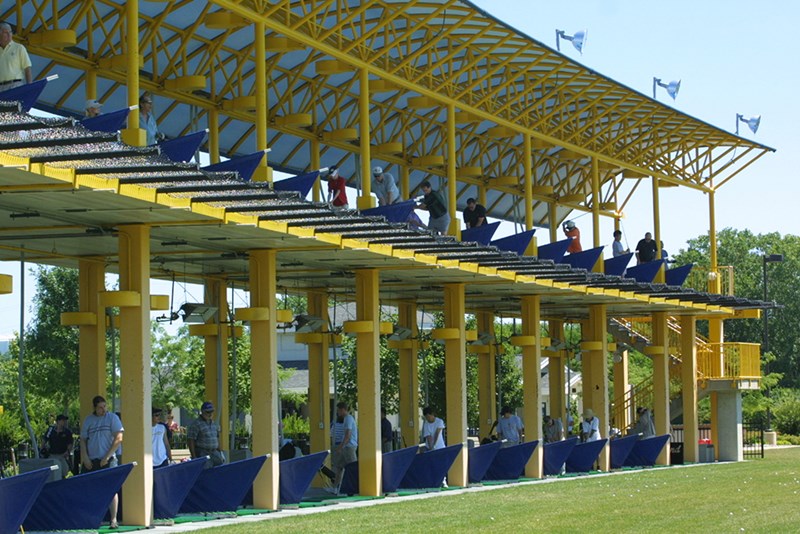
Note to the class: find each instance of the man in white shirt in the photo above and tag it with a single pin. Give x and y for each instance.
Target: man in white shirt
(345, 441)
(616, 247)
(432, 430)
(161, 449)
(590, 426)
(509, 427)
(15, 64)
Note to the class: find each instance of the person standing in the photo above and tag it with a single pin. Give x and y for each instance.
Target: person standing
(387, 436)
(646, 249)
(572, 232)
(101, 435)
(553, 430)
(337, 188)
(432, 430)
(644, 423)
(58, 443)
(202, 437)
(384, 187)
(15, 64)
(509, 427)
(345, 441)
(434, 203)
(590, 426)
(162, 453)
(616, 247)
(474, 214)
(147, 119)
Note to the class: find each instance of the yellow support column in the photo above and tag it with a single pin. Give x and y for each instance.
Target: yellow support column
(264, 376)
(716, 327)
(487, 386)
(365, 201)
(659, 352)
(134, 361)
(319, 381)
(133, 135)
(599, 265)
(531, 381)
(317, 194)
(368, 382)
(91, 84)
(455, 365)
(553, 221)
(597, 360)
(452, 187)
(216, 359)
(689, 382)
(92, 339)
(660, 277)
(527, 165)
(213, 135)
(409, 374)
(557, 378)
(263, 172)
(405, 189)
(621, 388)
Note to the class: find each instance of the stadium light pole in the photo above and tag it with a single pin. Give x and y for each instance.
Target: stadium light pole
(753, 122)
(767, 258)
(577, 40)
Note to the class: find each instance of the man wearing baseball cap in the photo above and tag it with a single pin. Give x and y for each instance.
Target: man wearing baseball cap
(93, 107)
(203, 437)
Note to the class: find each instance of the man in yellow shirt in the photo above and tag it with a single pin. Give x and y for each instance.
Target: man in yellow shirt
(15, 64)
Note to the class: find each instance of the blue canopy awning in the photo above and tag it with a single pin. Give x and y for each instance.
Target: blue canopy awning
(245, 165)
(394, 213)
(480, 234)
(302, 183)
(517, 243)
(182, 148)
(107, 122)
(554, 251)
(26, 94)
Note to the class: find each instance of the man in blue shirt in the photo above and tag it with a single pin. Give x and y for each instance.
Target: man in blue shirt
(101, 435)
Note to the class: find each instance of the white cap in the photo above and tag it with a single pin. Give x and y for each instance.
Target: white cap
(93, 103)
(570, 224)
(377, 170)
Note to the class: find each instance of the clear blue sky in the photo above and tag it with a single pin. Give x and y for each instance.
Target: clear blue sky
(732, 56)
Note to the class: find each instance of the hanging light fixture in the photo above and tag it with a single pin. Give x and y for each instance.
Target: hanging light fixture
(672, 87)
(577, 40)
(753, 122)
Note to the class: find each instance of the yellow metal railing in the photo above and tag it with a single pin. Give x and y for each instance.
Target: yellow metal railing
(729, 360)
(698, 279)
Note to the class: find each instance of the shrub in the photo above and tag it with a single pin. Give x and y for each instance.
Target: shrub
(786, 415)
(295, 426)
(12, 432)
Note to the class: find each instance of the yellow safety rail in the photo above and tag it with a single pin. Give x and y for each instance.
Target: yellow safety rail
(730, 360)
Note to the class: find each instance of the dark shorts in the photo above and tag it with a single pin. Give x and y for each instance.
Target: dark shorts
(96, 465)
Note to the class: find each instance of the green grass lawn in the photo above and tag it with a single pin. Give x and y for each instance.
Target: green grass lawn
(754, 496)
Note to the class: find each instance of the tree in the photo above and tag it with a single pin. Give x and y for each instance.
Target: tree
(177, 362)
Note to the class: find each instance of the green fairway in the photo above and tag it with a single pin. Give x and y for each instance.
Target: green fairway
(754, 496)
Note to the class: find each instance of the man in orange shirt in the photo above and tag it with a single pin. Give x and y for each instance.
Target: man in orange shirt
(572, 232)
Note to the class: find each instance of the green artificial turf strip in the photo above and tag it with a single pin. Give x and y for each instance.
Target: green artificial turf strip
(753, 496)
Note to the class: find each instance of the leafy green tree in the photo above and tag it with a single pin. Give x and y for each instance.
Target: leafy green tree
(176, 360)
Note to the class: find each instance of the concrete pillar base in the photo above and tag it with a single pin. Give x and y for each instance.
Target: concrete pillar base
(729, 433)
(770, 438)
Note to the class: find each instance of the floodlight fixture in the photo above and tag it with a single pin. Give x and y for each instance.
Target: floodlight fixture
(400, 333)
(484, 338)
(308, 323)
(753, 122)
(577, 40)
(672, 87)
(192, 312)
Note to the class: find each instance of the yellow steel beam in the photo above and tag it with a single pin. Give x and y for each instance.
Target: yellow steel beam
(660, 359)
(456, 380)
(531, 381)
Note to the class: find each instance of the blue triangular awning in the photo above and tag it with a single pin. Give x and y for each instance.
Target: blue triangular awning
(394, 213)
(111, 122)
(616, 266)
(480, 234)
(517, 243)
(645, 272)
(244, 165)
(26, 94)
(585, 259)
(182, 149)
(554, 251)
(678, 275)
(302, 183)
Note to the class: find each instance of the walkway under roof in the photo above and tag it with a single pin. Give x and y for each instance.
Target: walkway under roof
(421, 56)
(66, 190)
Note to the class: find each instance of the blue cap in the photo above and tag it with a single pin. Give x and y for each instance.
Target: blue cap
(207, 407)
